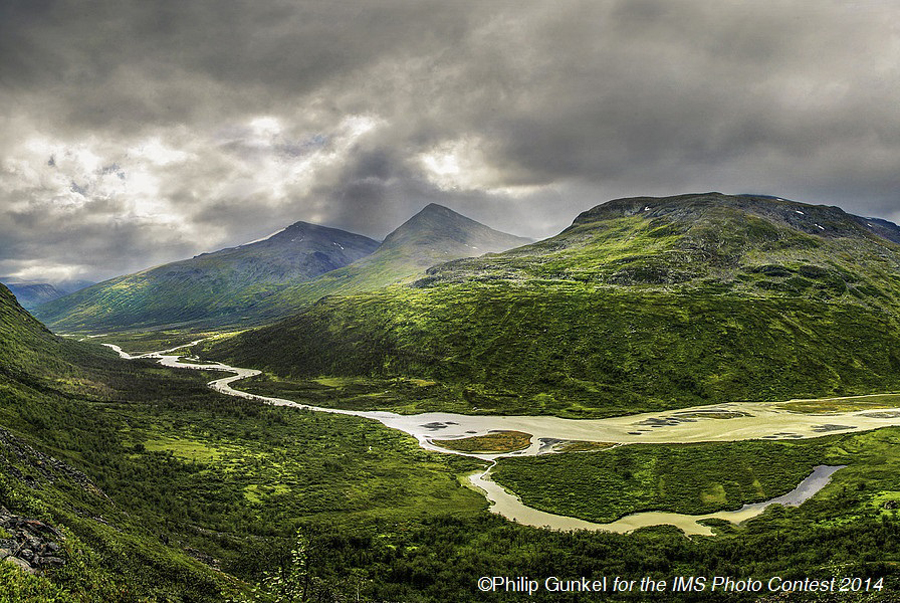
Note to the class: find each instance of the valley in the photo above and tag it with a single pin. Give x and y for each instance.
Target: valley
(548, 435)
(449, 302)
(675, 386)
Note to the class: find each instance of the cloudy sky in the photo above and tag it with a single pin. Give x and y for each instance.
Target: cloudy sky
(134, 133)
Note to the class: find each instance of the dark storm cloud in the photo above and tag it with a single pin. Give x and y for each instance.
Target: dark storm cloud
(229, 120)
(131, 63)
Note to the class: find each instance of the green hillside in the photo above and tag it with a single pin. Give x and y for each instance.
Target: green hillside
(51, 431)
(129, 482)
(642, 303)
(124, 481)
(33, 356)
(31, 295)
(210, 287)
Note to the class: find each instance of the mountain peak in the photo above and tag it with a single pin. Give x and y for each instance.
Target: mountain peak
(210, 286)
(297, 229)
(439, 209)
(436, 225)
(433, 211)
(697, 239)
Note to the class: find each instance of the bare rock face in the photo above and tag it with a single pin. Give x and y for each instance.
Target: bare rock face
(32, 545)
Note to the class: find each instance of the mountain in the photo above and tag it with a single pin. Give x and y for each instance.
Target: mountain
(23, 339)
(641, 304)
(33, 294)
(702, 240)
(434, 235)
(209, 286)
(36, 358)
(273, 278)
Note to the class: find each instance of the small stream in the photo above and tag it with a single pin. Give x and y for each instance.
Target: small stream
(720, 422)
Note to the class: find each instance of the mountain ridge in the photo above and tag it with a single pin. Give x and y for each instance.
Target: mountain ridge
(433, 235)
(209, 284)
(266, 291)
(31, 294)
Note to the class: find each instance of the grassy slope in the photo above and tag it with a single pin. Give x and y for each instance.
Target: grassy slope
(47, 386)
(208, 288)
(694, 301)
(35, 357)
(188, 473)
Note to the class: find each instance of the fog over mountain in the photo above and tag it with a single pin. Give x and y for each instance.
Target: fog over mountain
(137, 133)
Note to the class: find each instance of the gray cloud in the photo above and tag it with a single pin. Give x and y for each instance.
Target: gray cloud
(177, 127)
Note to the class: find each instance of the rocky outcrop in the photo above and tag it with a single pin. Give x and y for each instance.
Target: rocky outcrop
(32, 545)
(28, 543)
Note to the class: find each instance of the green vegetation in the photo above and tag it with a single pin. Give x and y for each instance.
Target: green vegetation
(699, 299)
(499, 441)
(434, 235)
(154, 477)
(210, 288)
(179, 472)
(576, 351)
(377, 515)
(167, 491)
(708, 477)
(582, 446)
(18, 587)
(31, 295)
(690, 478)
(399, 394)
(140, 342)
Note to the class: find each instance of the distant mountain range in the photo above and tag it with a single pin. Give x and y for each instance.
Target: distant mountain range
(274, 277)
(32, 294)
(210, 285)
(641, 304)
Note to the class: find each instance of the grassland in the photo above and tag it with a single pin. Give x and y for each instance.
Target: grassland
(702, 478)
(161, 485)
(193, 496)
(184, 473)
(697, 478)
(500, 441)
(139, 342)
(192, 476)
(398, 394)
(583, 446)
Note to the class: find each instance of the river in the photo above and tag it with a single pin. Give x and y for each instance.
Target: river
(720, 422)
